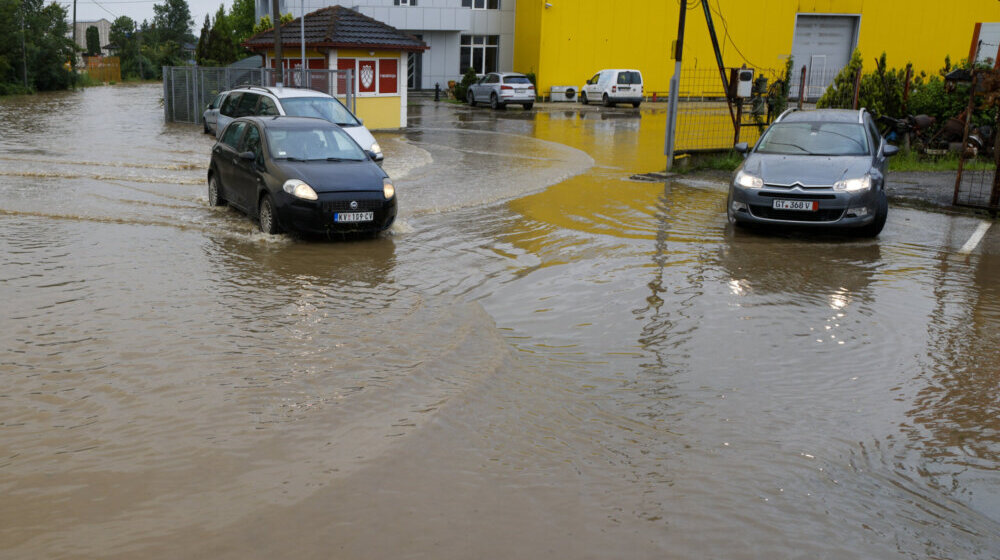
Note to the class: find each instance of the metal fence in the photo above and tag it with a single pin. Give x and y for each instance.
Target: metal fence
(187, 90)
(977, 182)
(704, 120)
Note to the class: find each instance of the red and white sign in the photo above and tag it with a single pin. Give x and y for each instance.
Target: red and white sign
(387, 78)
(345, 64)
(366, 76)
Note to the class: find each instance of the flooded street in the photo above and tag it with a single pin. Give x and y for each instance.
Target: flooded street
(542, 359)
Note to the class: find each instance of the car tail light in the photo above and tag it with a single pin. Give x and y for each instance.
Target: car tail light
(506, 87)
(614, 89)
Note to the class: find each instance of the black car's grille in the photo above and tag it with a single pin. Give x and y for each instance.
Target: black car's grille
(345, 206)
(769, 213)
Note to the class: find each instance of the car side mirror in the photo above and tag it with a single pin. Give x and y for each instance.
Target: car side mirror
(742, 147)
(248, 156)
(890, 150)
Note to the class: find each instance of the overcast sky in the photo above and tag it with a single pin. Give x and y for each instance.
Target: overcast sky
(91, 10)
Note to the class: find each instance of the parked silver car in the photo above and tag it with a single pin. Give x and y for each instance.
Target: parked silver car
(211, 114)
(500, 89)
(296, 102)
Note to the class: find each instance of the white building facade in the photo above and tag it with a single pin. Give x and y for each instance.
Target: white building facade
(460, 33)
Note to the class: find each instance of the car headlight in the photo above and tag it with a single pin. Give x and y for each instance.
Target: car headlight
(376, 148)
(388, 189)
(748, 180)
(854, 185)
(299, 189)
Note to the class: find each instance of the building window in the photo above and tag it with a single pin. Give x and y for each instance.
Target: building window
(481, 4)
(479, 52)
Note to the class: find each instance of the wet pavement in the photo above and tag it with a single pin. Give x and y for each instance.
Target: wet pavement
(542, 359)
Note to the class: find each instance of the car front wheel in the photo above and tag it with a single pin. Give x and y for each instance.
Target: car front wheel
(471, 98)
(881, 213)
(268, 221)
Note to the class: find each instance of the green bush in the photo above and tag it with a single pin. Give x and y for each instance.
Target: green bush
(881, 91)
(462, 87)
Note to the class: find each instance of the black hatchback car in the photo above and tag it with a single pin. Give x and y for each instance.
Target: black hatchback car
(823, 168)
(300, 174)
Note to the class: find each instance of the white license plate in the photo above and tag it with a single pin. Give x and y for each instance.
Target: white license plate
(806, 205)
(354, 216)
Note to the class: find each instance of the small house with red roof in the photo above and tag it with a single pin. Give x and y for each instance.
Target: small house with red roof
(340, 38)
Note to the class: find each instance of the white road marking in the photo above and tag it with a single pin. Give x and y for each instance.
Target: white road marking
(977, 236)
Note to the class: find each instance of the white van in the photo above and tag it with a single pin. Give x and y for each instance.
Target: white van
(614, 86)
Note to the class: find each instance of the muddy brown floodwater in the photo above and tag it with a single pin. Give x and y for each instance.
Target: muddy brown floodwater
(541, 360)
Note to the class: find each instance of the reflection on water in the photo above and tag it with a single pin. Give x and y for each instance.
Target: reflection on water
(519, 363)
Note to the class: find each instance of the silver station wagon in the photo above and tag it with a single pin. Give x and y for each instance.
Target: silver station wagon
(823, 168)
(500, 89)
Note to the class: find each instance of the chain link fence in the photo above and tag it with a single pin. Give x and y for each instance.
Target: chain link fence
(705, 121)
(187, 90)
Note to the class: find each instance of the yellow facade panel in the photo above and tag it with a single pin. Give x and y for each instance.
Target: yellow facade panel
(568, 42)
(379, 112)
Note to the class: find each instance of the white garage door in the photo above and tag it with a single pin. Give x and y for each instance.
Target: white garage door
(823, 44)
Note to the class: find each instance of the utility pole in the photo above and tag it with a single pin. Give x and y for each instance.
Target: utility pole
(72, 62)
(278, 62)
(302, 42)
(24, 51)
(675, 83)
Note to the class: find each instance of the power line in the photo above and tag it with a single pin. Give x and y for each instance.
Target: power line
(725, 26)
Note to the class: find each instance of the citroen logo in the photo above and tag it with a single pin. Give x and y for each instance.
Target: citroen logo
(354, 205)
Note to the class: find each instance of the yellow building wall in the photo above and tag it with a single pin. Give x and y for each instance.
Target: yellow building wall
(568, 42)
(379, 112)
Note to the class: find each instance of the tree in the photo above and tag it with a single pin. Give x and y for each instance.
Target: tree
(173, 22)
(265, 22)
(93, 41)
(241, 16)
(47, 47)
(201, 52)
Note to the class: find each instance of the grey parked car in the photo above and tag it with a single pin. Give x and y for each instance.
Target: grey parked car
(502, 88)
(814, 168)
(211, 114)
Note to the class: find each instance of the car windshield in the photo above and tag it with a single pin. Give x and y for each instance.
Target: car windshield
(319, 107)
(313, 144)
(815, 138)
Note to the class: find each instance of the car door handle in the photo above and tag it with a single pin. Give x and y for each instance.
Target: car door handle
(236, 161)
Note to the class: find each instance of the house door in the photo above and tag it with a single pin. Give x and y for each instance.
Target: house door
(414, 68)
